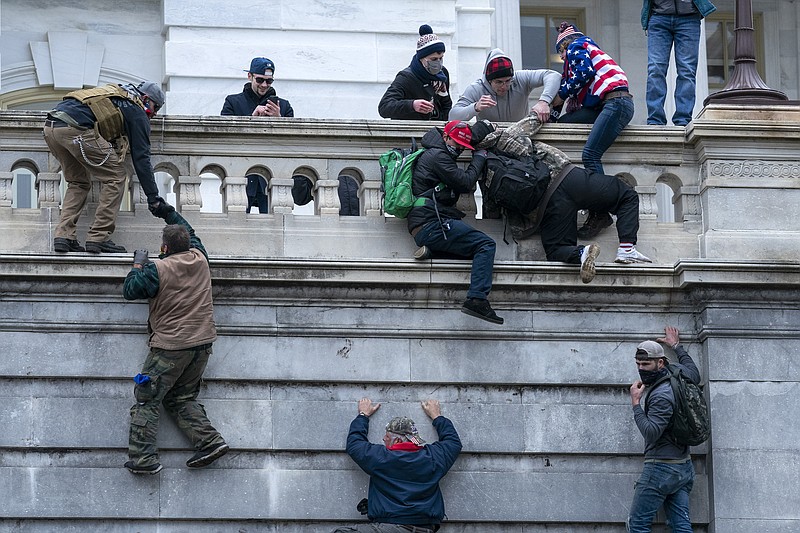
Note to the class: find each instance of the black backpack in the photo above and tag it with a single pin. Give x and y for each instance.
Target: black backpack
(517, 183)
(690, 423)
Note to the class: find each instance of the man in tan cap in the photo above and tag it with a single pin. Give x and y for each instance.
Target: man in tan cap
(668, 473)
(405, 469)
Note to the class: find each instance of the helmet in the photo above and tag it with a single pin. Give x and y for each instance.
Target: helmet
(153, 91)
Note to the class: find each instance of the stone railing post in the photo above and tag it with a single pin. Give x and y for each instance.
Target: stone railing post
(188, 193)
(47, 184)
(648, 206)
(234, 195)
(371, 198)
(6, 193)
(328, 197)
(280, 195)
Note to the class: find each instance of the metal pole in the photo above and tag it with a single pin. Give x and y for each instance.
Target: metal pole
(745, 84)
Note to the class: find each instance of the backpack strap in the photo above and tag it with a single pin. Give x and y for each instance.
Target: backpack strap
(670, 374)
(554, 183)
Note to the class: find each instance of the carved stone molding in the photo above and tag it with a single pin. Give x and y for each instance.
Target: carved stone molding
(753, 168)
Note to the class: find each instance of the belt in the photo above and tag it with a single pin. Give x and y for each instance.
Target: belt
(619, 93)
(669, 461)
(417, 529)
(55, 123)
(416, 230)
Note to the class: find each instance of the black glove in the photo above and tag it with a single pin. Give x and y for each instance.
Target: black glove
(159, 207)
(140, 257)
(362, 506)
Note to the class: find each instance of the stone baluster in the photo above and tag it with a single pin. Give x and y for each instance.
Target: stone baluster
(280, 195)
(371, 198)
(648, 206)
(189, 198)
(235, 194)
(6, 193)
(47, 184)
(328, 197)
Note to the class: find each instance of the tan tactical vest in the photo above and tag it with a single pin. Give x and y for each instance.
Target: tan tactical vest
(109, 117)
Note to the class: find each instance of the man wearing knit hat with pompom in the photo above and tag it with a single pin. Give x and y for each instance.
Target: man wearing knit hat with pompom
(420, 91)
(595, 89)
(501, 94)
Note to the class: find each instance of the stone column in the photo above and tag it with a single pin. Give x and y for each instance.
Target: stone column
(6, 194)
(234, 196)
(188, 193)
(47, 184)
(280, 195)
(328, 197)
(371, 198)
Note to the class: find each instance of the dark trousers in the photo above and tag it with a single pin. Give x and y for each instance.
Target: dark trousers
(465, 241)
(175, 377)
(582, 189)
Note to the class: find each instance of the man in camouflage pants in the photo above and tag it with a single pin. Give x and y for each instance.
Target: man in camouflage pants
(182, 329)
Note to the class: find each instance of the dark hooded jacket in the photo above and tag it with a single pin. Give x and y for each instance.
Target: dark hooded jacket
(244, 103)
(398, 101)
(437, 166)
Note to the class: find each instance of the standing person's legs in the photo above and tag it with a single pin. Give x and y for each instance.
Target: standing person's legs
(658, 482)
(659, 47)
(616, 114)
(59, 140)
(463, 240)
(99, 158)
(687, 44)
(181, 402)
(676, 505)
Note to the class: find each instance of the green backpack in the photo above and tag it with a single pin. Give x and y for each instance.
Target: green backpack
(397, 171)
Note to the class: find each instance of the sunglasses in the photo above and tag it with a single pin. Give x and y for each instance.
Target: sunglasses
(260, 81)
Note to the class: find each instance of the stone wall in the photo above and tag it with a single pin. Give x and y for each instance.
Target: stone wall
(315, 312)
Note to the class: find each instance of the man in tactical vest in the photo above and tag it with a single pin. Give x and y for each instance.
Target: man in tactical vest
(668, 473)
(89, 133)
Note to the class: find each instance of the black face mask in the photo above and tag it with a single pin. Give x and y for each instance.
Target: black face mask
(649, 377)
(454, 151)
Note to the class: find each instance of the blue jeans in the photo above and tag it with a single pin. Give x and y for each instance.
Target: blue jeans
(664, 484)
(609, 122)
(664, 31)
(465, 241)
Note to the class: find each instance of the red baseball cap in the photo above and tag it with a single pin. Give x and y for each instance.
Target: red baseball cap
(459, 131)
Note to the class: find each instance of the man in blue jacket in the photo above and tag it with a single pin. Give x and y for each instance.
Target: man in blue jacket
(404, 473)
(668, 473)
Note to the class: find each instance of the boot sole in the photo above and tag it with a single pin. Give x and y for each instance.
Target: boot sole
(208, 459)
(470, 312)
(140, 472)
(588, 269)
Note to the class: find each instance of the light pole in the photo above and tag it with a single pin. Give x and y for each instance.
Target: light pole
(745, 84)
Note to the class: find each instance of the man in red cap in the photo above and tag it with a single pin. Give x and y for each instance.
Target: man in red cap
(437, 226)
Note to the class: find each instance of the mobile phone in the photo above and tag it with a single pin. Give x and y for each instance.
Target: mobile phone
(273, 99)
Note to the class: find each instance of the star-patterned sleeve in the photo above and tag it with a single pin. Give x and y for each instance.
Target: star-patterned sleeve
(579, 74)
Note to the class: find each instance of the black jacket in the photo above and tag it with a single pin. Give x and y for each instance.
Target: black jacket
(398, 101)
(244, 103)
(137, 130)
(437, 165)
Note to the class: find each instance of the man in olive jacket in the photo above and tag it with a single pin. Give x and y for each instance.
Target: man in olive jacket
(181, 325)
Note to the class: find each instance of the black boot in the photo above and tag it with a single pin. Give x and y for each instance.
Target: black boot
(595, 223)
(480, 309)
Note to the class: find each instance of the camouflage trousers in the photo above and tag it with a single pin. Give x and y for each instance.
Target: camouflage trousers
(175, 377)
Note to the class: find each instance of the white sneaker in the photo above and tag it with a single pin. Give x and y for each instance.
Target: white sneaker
(588, 257)
(631, 256)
